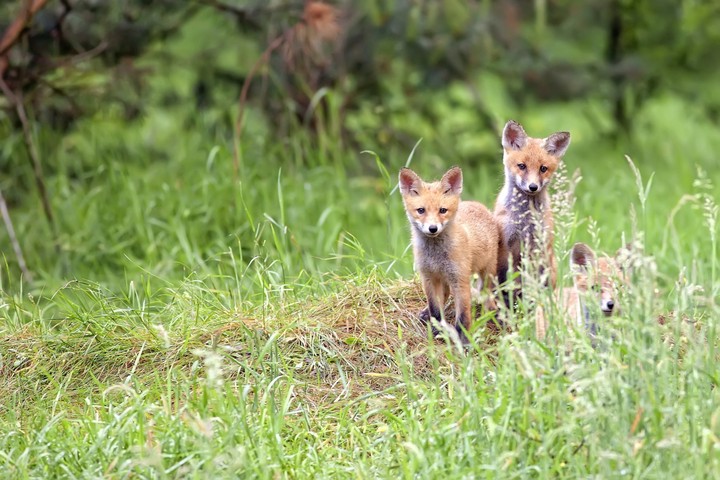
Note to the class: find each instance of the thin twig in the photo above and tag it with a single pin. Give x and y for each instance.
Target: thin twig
(33, 155)
(13, 238)
(243, 96)
(18, 25)
(82, 56)
(577, 449)
(15, 30)
(37, 76)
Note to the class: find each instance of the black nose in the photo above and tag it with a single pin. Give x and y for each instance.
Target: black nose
(533, 187)
(433, 229)
(610, 304)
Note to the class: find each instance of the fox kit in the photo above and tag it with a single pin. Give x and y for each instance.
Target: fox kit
(529, 166)
(595, 281)
(452, 240)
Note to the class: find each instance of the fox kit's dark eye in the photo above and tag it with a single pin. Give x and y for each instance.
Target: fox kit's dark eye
(595, 288)
(543, 169)
(421, 210)
(521, 166)
(443, 210)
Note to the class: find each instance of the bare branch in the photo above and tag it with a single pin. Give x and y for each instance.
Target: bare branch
(13, 238)
(15, 30)
(17, 102)
(243, 95)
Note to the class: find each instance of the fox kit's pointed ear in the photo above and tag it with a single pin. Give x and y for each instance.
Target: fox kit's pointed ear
(557, 143)
(581, 257)
(452, 181)
(409, 182)
(513, 136)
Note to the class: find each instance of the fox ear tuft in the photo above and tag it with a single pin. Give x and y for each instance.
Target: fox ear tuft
(513, 136)
(452, 181)
(624, 251)
(581, 256)
(623, 258)
(409, 182)
(557, 143)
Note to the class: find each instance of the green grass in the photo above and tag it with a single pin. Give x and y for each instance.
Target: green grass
(347, 385)
(194, 323)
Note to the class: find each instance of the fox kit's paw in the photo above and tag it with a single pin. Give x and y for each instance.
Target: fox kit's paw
(464, 340)
(428, 313)
(425, 316)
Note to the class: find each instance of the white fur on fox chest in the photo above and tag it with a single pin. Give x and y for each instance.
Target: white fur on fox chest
(432, 256)
(524, 213)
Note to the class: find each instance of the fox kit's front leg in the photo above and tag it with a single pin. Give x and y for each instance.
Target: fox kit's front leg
(437, 294)
(552, 264)
(461, 292)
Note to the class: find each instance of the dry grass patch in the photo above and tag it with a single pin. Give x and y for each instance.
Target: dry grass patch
(338, 347)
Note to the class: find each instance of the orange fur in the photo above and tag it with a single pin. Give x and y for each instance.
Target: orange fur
(452, 240)
(595, 281)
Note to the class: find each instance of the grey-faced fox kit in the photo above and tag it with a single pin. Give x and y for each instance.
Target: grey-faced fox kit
(452, 240)
(596, 282)
(529, 166)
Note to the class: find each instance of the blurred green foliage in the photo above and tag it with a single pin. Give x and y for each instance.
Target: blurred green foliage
(138, 140)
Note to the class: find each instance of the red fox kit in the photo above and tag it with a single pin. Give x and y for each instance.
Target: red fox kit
(529, 166)
(452, 240)
(595, 281)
